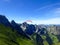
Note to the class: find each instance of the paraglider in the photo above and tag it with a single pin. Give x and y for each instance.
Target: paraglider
(29, 21)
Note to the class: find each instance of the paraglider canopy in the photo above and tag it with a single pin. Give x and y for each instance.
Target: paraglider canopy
(29, 21)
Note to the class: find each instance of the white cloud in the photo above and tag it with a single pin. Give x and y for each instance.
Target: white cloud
(55, 12)
(47, 6)
(48, 21)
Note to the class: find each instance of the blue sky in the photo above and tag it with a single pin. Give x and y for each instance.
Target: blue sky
(39, 11)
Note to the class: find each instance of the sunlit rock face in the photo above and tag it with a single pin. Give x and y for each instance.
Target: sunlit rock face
(54, 29)
(24, 26)
(18, 28)
(58, 30)
(28, 28)
(36, 27)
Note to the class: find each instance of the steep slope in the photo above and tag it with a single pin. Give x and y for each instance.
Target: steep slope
(13, 25)
(28, 28)
(4, 20)
(18, 29)
(27, 34)
(45, 38)
(9, 37)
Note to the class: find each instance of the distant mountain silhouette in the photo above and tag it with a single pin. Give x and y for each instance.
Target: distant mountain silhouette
(4, 20)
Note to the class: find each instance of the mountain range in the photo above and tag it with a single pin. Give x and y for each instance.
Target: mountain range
(12, 33)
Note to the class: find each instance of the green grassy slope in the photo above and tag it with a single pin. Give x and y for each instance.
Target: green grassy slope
(52, 37)
(9, 37)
